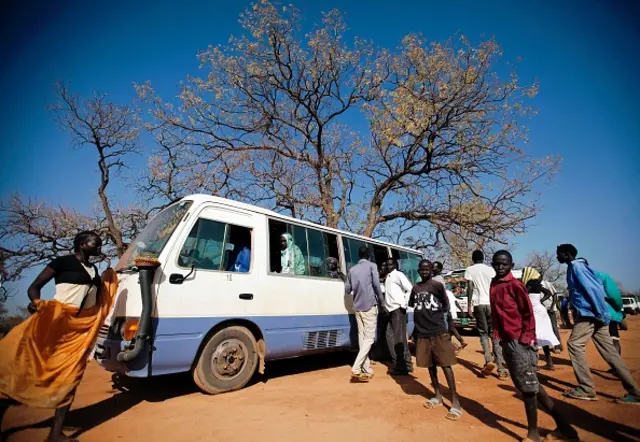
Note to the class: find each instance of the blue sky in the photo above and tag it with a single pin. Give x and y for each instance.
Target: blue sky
(584, 54)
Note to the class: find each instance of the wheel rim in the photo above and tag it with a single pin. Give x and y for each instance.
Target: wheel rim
(229, 358)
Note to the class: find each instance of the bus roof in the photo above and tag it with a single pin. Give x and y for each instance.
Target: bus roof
(203, 198)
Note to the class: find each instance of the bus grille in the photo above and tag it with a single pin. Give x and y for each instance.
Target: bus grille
(104, 331)
(321, 339)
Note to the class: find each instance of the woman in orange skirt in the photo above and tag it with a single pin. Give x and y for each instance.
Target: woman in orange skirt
(43, 359)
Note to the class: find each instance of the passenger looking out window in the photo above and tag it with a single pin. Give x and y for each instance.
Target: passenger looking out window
(291, 258)
(333, 270)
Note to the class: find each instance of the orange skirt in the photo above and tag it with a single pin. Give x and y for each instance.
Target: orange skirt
(42, 360)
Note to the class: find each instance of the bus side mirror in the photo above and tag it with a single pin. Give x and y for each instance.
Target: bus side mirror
(177, 278)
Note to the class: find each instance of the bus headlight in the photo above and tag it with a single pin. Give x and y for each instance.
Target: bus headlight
(129, 329)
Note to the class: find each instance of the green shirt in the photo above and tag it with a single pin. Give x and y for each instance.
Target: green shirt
(613, 298)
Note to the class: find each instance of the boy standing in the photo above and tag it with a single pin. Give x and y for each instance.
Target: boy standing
(434, 347)
(514, 326)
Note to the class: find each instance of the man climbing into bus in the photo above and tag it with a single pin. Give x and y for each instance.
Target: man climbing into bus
(364, 286)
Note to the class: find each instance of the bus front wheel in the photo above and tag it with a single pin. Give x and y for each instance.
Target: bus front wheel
(227, 361)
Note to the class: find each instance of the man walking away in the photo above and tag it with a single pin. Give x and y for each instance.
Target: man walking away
(397, 292)
(479, 277)
(587, 298)
(364, 285)
(514, 323)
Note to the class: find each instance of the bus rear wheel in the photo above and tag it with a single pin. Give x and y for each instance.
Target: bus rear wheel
(227, 362)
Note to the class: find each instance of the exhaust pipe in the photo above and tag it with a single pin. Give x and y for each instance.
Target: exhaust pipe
(147, 268)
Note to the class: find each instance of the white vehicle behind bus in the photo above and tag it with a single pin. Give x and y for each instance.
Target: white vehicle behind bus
(630, 305)
(201, 313)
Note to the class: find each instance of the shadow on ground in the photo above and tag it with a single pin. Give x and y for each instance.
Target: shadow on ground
(129, 392)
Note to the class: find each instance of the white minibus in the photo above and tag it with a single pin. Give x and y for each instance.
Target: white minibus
(220, 305)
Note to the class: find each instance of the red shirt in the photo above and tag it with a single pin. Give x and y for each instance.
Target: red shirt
(511, 311)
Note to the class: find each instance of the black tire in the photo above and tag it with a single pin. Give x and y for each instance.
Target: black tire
(227, 362)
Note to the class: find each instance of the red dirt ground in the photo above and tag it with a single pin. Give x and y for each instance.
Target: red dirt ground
(311, 399)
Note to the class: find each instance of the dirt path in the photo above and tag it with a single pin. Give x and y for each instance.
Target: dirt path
(311, 399)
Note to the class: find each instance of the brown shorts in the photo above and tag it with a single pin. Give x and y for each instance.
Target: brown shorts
(436, 351)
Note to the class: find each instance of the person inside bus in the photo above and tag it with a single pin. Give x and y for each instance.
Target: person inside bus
(241, 258)
(291, 257)
(333, 270)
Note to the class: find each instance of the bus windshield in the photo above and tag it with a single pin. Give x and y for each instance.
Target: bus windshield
(156, 234)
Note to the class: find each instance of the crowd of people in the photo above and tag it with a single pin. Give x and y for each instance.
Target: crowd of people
(515, 317)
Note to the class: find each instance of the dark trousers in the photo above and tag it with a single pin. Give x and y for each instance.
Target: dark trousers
(482, 313)
(394, 325)
(383, 347)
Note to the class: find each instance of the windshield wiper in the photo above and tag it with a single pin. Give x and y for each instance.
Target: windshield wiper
(130, 268)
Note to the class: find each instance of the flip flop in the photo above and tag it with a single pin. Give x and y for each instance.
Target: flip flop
(628, 399)
(432, 403)
(454, 414)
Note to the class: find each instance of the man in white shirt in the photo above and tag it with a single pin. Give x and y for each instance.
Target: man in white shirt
(396, 297)
(479, 277)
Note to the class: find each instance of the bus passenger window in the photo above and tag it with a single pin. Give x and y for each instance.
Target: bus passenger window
(237, 257)
(212, 245)
(323, 247)
(351, 247)
(301, 251)
(408, 264)
(288, 248)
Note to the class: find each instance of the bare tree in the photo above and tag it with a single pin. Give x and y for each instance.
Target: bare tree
(546, 263)
(442, 162)
(271, 106)
(109, 128)
(445, 145)
(32, 234)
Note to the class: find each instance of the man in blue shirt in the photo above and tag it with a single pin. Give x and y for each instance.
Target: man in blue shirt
(587, 297)
(363, 283)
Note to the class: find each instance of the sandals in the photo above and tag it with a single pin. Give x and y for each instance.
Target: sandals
(628, 399)
(433, 403)
(361, 377)
(454, 414)
(578, 393)
(503, 376)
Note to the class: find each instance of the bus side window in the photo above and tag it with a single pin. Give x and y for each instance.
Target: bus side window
(288, 243)
(351, 247)
(322, 246)
(407, 264)
(212, 245)
(237, 249)
(305, 251)
(377, 254)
